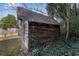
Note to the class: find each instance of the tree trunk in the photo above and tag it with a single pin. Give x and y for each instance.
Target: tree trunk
(67, 34)
(68, 17)
(5, 34)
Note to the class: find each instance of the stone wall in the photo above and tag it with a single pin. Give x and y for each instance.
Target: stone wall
(8, 31)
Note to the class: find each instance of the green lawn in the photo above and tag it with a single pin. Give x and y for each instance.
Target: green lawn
(10, 47)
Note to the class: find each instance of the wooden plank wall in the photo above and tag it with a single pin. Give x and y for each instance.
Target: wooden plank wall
(43, 32)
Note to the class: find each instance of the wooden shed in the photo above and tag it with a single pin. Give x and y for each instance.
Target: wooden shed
(37, 26)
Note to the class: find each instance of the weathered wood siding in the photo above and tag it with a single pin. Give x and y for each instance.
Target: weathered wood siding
(24, 37)
(43, 32)
(41, 28)
(26, 33)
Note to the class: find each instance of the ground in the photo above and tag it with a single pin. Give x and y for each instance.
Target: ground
(10, 47)
(58, 47)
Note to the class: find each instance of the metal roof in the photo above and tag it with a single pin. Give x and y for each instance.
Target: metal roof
(32, 16)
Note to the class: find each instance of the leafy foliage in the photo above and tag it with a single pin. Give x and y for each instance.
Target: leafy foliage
(57, 10)
(8, 22)
(55, 48)
(61, 10)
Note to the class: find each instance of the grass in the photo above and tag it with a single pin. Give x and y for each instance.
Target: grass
(10, 47)
(55, 48)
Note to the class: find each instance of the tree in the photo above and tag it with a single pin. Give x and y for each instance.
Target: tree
(69, 12)
(8, 22)
(61, 10)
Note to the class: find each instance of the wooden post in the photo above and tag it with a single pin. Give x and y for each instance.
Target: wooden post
(24, 38)
(26, 34)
